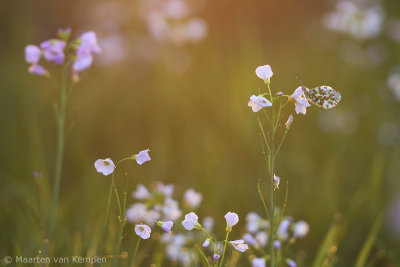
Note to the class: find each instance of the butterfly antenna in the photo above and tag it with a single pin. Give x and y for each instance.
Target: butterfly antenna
(298, 79)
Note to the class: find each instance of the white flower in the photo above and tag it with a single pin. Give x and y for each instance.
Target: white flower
(166, 226)
(264, 72)
(239, 245)
(258, 102)
(300, 101)
(262, 238)
(192, 198)
(142, 157)
(277, 181)
(191, 221)
(258, 262)
(300, 229)
(289, 122)
(136, 212)
(283, 233)
(141, 193)
(143, 231)
(231, 220)
(105, 166)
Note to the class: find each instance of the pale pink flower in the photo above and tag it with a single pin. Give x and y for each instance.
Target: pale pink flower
(166, 226)
(143, 156)
(300, 229)
(141, 192)
(206, 243)
(258, 262)
(277, 181)
(264, 72)
(289, 122)
(105, 166)
(239, 245)
(216, 257)
(300, 101)
(192, 198)
(143, 231)
(231, 220)
(258, 102)
(191, 221)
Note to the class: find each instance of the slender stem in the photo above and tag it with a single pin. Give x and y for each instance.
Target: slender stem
(263, 134)
(119, 244)
(280, 144)
(262, 199)
(60, 152)
(223, 254)
(134, 253)
(103, 232)
(272, 207)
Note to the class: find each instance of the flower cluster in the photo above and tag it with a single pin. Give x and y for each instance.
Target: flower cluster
(217, 248)
(171, 21)
(355, 18)
(286, 234)
(79, 51)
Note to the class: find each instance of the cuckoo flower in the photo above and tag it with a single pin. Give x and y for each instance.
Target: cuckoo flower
(300, 229)
(192, 198)
(191, 221)
(142, 157)
(239, 245)
(32, 56)
(53, 50)
(84, 54)
(258, 102)
(166, 226)
(277, 181)
(289, 122)
(143, 231)
(105, 166)
(216, 257)
(141, 193)
(264, 72)
(300, 101)
(231, 220)
(206, 243)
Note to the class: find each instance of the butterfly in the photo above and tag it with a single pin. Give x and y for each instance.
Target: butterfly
(322, 96)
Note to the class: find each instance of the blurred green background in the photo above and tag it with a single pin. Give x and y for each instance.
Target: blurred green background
(188, 105)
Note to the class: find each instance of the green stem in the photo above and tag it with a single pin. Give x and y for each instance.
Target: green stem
(103, 232)
(119, 244)
(60, 152)
(223, 254)
(134, 253)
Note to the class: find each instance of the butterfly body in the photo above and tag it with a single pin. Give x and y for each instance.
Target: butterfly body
(322, 96)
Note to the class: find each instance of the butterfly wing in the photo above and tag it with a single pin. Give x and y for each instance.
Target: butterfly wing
(323, 96)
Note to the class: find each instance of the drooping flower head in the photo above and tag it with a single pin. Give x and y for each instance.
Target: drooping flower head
(231, 220)
(239, 245)
(143, 231)
(166, 226)
(105, 166)
(142, 157)
(38, 70)
(258, 102)
(264, 72)
(289, 122)
(299, 100)
(206, 243)
(191, 221)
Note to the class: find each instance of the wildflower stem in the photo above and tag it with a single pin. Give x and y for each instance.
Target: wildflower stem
(280, 144)
(262, 198)
(223, 254)
(60, 151)
(103, 232)
(134, 253)
(263, 133)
